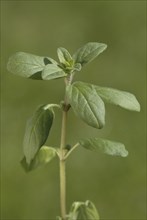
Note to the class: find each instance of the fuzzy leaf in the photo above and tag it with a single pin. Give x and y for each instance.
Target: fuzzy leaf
(86, 104)
(88, 52)
(44, 156)
(83, 211)
(52, 71)
(37, 131)
(123, 99)
(27, 65)
(104, 146)
(64, 56)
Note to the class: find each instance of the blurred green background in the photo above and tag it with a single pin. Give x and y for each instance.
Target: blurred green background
(116, 185)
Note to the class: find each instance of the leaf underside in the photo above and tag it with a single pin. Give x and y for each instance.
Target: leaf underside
(37, 131)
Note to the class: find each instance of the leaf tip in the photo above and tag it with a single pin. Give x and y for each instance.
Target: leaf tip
(125, 153)
(24, 165)
(138, 107)
(104, 46)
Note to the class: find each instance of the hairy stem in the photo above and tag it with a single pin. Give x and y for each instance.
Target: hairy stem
(62, 167)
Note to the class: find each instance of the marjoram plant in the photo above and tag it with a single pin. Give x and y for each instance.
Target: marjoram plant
(87, 102)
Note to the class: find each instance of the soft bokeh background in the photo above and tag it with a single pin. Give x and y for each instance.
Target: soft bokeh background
(116, 185)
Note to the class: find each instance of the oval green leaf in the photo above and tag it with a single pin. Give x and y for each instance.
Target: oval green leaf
(88, 52)
(43, 156)
(123, 99)
(105, 146)
(52, 71)
(83, 211)
(27, 65)
(37, 131)
(86, 104)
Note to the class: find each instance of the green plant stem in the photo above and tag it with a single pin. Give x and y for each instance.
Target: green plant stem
(62, 167)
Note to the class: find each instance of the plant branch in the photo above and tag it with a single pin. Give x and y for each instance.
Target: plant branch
(62, 166)
(71, 150)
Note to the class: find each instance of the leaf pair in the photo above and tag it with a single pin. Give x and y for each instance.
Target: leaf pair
(36, 67)
(83, 211)
(87, 101)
